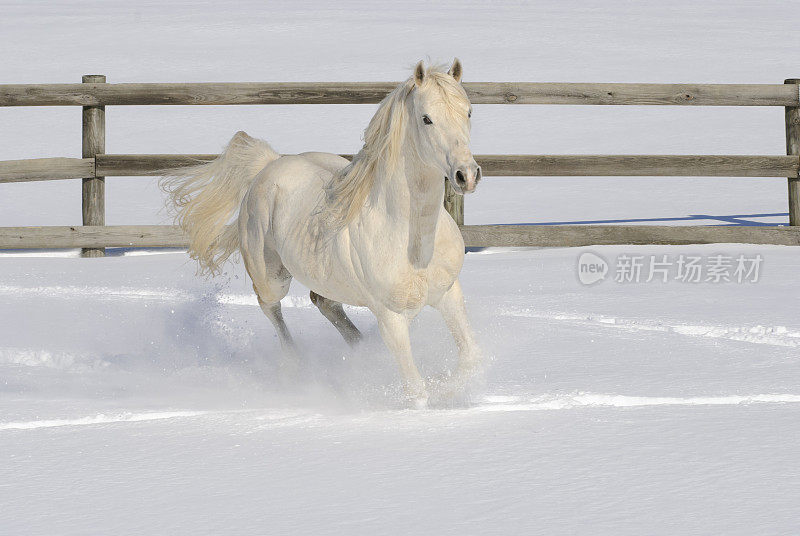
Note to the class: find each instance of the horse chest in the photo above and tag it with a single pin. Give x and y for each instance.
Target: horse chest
(408, 291)
(405, 288)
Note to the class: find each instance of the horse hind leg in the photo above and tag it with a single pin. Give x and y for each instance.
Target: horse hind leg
(271, 282)
(272, 310)
(334, 312)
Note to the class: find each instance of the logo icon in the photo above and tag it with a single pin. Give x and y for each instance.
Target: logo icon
(591, 268)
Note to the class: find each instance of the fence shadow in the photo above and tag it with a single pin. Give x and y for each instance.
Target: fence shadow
(730, 220)
(725, 220)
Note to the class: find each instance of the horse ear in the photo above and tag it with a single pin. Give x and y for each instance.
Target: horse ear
(419, 73)
(456, 70)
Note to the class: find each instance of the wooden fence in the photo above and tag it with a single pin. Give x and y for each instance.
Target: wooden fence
(94, 166)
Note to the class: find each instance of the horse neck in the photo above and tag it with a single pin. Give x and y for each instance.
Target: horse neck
(412, 197)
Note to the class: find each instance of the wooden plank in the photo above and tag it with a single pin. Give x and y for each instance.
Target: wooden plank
(453, 203)
(639, 165)
(45, 169)
(110, 165)
(93, 200)
(92, 236)
(194, 93)
(474, 235)
(530, 165)
(588, 235)
(793, 148)
(372, 92)
(629, 94)
(136, 165)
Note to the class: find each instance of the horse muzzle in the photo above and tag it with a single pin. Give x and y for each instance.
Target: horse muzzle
(466, 178)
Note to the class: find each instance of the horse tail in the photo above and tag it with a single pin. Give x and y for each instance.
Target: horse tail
(206, 197)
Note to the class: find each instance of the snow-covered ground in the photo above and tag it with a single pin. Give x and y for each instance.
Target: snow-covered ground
(139, 399)
(136, 398)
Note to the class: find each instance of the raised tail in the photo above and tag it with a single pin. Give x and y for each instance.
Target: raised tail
(206, 197)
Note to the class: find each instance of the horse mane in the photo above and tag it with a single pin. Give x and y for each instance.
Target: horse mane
(346, 193)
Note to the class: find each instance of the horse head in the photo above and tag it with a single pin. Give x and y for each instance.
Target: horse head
(439, 122)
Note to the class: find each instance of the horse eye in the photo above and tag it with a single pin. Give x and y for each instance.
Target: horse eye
(427, 120)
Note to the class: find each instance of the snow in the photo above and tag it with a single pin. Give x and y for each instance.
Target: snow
(131, 386)
(138, 398)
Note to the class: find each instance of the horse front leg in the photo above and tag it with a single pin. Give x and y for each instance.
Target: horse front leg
(452, 308)
(394, 331)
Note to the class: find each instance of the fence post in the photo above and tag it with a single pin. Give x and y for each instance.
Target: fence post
(94, 143)
(793, 148)
(453, 203)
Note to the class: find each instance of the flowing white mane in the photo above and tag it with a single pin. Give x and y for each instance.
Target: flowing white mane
(347, 192)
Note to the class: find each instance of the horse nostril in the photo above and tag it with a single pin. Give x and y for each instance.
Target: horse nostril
(460, 177)
(478, 175)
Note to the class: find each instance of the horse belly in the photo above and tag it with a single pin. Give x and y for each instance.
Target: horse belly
(295, 186)
(325, 268)
(332, 284)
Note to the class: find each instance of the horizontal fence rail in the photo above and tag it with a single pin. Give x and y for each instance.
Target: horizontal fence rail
(125, 165)
(45, 169)
(371, 92)
(168, 236)
(94, 94)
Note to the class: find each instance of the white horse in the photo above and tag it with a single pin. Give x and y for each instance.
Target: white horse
(372, 232)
